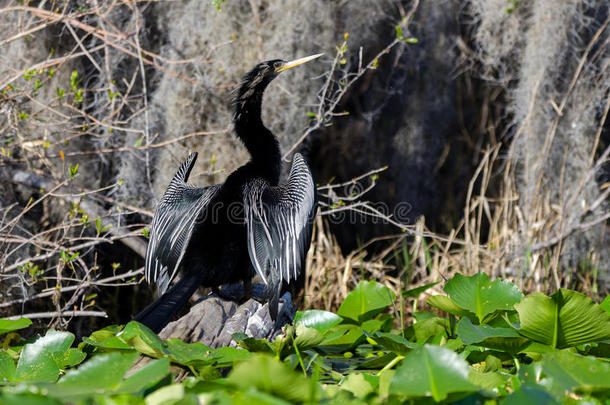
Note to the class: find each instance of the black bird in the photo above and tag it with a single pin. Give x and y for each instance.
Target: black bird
(225, 233)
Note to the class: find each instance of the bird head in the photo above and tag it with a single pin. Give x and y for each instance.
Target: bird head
(258, 78)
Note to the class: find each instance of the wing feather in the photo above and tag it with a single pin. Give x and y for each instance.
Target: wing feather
(173, 224)
(279, 222)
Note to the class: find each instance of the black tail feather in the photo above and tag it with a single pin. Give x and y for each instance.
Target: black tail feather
(160, 313)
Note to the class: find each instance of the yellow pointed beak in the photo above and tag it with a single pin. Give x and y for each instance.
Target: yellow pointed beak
(297, 62)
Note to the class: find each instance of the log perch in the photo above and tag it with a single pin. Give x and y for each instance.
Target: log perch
(213, 321)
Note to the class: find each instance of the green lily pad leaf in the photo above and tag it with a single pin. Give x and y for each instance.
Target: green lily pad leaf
(228, 355)
(187, 353)
(528, 394)
(477, 294)
(102, 372)
(446, 304)
(170, 394)
(317, 319)
(487, 381)
(9, 325)
(36, 364)
(432, 371)
(147, 376)
(253, 345)
(505, 339)
(360, 384)
(307, 337)
(414, 292)
(35, 361)
(367, 300)
(577, 373)
(565, 319)
(9, 398)
(394, 343)
(7, 367)
(71, 358)
(343, 337)
(112, 343)
(606, 304)
(428, 328)
(268, 375)
(142, 339)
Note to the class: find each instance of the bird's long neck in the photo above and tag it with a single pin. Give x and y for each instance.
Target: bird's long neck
(263, 146)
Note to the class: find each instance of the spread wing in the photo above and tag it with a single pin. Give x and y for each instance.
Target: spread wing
(173, 224)
(279, 222)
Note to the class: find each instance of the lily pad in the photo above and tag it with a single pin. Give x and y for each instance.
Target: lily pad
(9, 325)
(317, 319)
(432, 371)
(577, 373)
(482, 297)
(367, 300)
(565, 319)
(496, 338)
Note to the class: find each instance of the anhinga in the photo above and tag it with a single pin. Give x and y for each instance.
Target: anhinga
(216, 235)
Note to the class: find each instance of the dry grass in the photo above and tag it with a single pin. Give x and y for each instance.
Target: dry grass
(493, 237)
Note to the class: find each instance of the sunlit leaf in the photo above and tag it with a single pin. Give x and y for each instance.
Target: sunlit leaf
(498, 338)
(317, 319)
(480, 296)
(41, 360)
(577, 373)
(146, 376)
(432, 371)
(414, 292)
(8, 325)
(268, 375)
(528, 394)
(367, 300)
(565, 319)
(446, 304)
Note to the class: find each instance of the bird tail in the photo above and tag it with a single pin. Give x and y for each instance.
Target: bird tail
(160, 313)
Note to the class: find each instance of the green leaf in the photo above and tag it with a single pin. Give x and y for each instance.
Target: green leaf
(505, 339)
(360, 384)
(428, 328)
(528, 394)
(488, 381)
(432, 371)
(228, 355)
(142, 339)
(414, 292)
(446, 304)
(394, 343)
(367, 300)
(577, 373)
(41, 360)
(268, 375)
(477, 294)
(71, 358)
(187, 353)
(317, 319)
(9, 325)
(565, 319)
(169, 394)
(102, 372)
(253, 345)
(605, 305)
(307, 337)
(147, 376)
(7, 367)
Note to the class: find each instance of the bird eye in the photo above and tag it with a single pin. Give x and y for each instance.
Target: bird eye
(277, 65)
